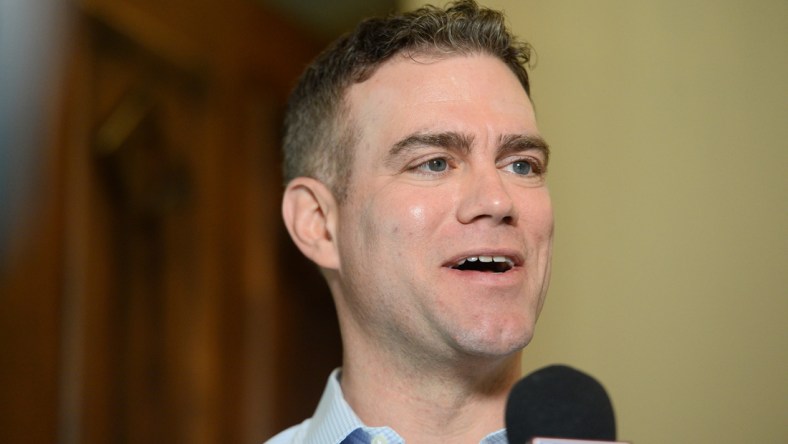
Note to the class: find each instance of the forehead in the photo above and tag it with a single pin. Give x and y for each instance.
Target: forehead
(476, 94)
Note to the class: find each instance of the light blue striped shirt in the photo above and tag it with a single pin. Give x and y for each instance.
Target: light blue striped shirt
(334, 422)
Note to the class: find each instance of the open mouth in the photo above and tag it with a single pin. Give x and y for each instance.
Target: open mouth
(490, 264)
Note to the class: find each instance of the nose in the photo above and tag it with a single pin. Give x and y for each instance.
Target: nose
(485, 195)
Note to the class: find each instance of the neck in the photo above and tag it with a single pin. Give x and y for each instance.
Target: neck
(456, 402)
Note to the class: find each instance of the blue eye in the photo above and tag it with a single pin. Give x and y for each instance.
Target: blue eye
(436, 165)
(522, 167)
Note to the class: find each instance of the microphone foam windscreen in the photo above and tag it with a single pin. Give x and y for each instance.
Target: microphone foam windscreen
(559, 401)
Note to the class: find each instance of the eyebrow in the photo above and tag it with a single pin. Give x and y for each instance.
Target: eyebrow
(447, 140)
(514, 143)
(450, 140)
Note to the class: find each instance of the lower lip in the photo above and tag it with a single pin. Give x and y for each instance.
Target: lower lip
(509, 278)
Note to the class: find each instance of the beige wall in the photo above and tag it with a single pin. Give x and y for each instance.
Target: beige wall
(669, 126)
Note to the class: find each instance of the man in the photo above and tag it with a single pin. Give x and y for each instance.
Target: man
(416, 182)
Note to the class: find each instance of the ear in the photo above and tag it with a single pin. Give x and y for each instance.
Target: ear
(309, 211)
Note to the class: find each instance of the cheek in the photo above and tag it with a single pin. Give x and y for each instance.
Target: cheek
(539, 217)
(416, 213)
(406, 216)
(416, 217)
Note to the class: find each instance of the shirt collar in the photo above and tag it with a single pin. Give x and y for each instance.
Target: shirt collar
(334, 421)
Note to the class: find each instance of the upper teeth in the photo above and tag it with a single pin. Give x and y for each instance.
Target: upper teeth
(487, 259)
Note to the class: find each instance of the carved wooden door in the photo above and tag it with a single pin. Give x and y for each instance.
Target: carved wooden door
(181, 304)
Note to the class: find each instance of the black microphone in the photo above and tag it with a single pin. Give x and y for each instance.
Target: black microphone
(559, 401)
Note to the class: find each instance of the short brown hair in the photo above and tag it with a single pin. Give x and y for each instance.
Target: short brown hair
(318, 134)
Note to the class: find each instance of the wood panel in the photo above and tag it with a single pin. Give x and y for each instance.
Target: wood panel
(168, 305)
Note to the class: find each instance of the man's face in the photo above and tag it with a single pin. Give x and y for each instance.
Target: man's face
(445, 237)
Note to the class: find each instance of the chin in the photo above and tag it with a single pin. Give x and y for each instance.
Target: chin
(494, 345)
